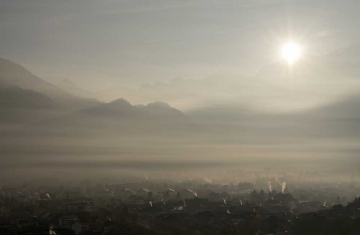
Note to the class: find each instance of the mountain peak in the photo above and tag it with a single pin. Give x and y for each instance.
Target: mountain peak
(13, 74)
(162, 109)
(116, 108)
(159, 104)
(120, 102)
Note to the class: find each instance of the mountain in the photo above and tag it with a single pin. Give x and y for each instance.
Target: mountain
(12, 97)
(73, 89)
(16, 75)
(26, 98)
(120, 119)
(121, 108)
(23, 106)
(162, 110)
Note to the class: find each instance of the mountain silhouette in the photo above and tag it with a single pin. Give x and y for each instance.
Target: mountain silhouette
(12, 97)
(123, 120)
(162, 110)
(22, 105)
(16, 75)
(121, 108)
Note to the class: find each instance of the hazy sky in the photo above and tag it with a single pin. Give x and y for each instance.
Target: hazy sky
(217, 61)
(109, 43)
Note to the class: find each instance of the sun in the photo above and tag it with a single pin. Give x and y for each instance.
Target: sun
(291, 52)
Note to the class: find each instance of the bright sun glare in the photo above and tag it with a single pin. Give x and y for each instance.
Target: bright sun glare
(291, 52)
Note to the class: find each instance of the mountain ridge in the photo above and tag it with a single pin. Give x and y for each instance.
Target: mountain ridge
(15, 74)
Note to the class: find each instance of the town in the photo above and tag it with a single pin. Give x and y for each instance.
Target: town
(194, 206)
